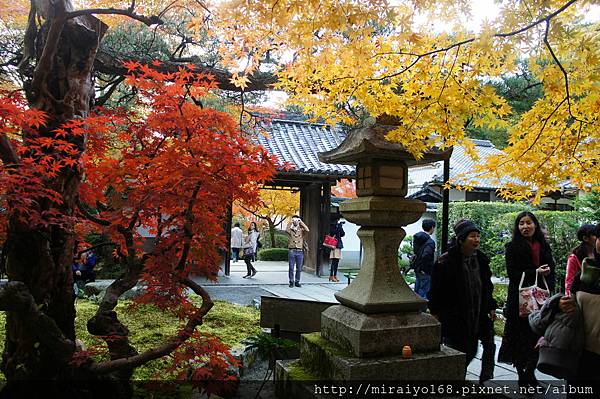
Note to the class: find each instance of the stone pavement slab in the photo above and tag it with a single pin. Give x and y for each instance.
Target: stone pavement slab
(506, 375)
(268, 273)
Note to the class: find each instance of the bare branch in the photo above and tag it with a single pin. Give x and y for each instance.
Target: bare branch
(546, 19)
(106, 96)
(89, 216)
(564, 72)
(418, 56)
(187, 227)
(102, 244)
(108, 64)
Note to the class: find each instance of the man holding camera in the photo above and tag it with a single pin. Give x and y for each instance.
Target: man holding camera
(296, 232)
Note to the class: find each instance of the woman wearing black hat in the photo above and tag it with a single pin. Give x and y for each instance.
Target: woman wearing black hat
(526, 255)
(461, 295)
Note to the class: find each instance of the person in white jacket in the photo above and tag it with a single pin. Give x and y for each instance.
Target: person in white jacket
(236, 241)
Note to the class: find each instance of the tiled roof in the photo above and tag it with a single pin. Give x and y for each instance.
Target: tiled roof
(462, 166)
(298, 143)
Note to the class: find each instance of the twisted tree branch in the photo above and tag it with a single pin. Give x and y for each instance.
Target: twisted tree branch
(194, 321)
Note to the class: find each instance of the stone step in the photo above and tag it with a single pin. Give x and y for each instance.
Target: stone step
(328, 361)
(291, 381)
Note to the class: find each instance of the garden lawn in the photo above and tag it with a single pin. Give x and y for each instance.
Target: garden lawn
(149, 326)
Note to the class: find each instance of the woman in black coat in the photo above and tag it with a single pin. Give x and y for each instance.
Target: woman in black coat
(527, 253)
(461, 294)
(336, 229)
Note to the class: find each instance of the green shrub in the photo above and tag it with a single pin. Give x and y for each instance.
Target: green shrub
(281, 239)
(410, 277)
(500, 293)
(498, 266)
(279, 254)
(484, 215)
(499, 327)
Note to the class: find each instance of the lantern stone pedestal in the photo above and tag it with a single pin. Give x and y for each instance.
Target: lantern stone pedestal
(362, 338)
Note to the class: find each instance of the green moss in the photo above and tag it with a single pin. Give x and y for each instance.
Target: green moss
(299, 373)
(328, 346)
(149, 327)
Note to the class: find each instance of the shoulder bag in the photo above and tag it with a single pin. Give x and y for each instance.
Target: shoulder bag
(330, 242)
(532, 298)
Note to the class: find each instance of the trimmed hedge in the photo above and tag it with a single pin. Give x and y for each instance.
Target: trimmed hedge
(273, 254)
(281, 239)
(484, 215)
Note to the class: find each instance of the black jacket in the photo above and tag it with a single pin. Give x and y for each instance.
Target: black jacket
(518, 260)
(336, 230)
(424, 250)
(448, 297)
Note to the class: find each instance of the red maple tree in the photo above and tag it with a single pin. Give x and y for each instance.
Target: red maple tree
(168, 166)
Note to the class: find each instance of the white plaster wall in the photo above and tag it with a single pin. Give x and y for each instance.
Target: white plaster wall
(456, 195)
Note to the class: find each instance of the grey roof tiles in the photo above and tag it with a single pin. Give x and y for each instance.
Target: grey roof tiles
(298, 144)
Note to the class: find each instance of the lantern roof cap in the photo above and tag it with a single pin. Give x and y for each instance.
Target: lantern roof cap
(368, 142)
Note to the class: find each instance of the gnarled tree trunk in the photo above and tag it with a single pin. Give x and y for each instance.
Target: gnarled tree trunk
(41, 257)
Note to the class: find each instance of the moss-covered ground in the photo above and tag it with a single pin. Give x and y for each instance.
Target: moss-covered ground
(149, 326)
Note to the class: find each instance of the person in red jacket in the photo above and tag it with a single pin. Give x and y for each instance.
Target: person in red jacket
(587, 235)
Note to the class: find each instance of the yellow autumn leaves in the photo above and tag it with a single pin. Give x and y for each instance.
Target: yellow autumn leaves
(417, 60)
(349, 59)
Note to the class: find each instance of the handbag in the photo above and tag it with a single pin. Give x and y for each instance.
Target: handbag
(330, 242)
(532, 298)
(248, 251)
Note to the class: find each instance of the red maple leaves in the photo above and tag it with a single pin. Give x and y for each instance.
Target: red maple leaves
(157, 180)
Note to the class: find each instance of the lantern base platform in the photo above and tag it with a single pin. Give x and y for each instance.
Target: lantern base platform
(380, 334)
(322, 360)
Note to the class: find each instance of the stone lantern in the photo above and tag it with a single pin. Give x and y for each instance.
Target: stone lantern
(379, 313)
